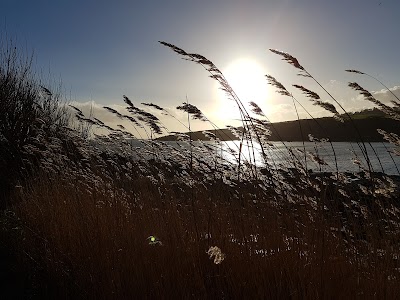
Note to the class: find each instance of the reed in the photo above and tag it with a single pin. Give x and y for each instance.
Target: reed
(116, 215)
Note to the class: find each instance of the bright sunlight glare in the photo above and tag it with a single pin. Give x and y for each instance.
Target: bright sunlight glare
(247, 78)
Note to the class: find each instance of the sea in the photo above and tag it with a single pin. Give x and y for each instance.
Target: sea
(345, 156)
(349, 156)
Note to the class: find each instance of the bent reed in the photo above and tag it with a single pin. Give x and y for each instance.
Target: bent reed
(80, 206)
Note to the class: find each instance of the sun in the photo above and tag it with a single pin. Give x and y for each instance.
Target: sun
(247, 78)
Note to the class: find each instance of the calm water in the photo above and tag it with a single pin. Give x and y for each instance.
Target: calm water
(278, 155)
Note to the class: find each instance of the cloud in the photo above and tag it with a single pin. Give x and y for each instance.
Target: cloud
(99, 112)
(385, 96)
(359, 103)
(282, 112)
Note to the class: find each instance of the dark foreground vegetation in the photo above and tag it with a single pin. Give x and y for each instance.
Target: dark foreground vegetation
(88, 215)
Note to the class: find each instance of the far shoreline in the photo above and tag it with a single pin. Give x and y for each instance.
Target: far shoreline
(326, 128)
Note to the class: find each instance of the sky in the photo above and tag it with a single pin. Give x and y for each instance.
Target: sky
(101, 50)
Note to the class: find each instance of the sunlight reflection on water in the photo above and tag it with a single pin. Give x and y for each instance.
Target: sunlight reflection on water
(278, 154)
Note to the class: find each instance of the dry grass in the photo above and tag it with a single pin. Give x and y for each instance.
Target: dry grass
(82, 224)
(95, 246)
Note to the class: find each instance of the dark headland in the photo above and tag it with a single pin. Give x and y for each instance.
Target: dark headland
(367, 123)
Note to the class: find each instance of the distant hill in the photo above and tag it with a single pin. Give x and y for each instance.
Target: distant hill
(368, 113)
(367, 123)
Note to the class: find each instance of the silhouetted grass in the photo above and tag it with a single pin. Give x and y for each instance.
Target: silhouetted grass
(118, 216)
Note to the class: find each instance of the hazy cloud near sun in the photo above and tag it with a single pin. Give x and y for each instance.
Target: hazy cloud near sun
(385, 96)
(282, 112)
(99, 112)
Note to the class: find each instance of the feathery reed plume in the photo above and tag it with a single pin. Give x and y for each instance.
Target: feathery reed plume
(355, 71)
(98, 121)
(316, 99)
(134, 122)
(307, 92)
(151, 120)
(280, 87)
(217, 75)
(389, 90)
(196, 114)
(192, 110)
(113, 111)
(293, 61)
(303, 72)
(368, 96)
(393, 139)
(154, 106)
(46, 91)
(256, 109)
(78, 111)
(87, 120)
